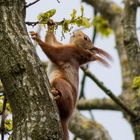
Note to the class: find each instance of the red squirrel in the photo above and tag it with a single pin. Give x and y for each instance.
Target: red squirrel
(64, 64)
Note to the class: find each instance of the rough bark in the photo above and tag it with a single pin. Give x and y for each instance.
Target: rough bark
(87, 129)
(26, 85)
(133, 51)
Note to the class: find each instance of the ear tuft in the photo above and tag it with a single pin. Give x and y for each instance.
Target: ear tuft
(102, 61)
(102, 53)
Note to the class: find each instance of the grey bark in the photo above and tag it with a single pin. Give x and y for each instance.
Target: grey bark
(35, 115)
(133, 51)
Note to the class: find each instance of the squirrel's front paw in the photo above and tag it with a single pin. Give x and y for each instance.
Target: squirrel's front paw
(56, 94)
(34, 35)
(50, 22)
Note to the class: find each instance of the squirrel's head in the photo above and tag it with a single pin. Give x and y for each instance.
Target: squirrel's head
(81, 40)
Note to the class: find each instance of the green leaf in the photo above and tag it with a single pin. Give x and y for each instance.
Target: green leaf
(2, 97)
(1, 105)
(43, 17)
(8, 125)
(73, 15)
(102, 26)
(75, 20)
(8, 108)
(78, 22)
(10, 137)
(65, 25)
(82, 21)
(85, 22)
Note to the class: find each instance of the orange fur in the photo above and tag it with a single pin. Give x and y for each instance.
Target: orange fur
(64, 64)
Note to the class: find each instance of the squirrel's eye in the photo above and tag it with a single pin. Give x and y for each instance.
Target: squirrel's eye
(85, 38)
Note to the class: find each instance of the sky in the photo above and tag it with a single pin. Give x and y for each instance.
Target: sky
(113, 121)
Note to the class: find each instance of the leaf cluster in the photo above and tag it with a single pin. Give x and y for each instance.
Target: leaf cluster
(102, 25)
(74, 20)
(7, 122)
(43, 17)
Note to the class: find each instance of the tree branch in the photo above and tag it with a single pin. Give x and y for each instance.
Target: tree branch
(83, 81)
(130, 36)
(133, 52)
(127, 109)
(87, 129)
(103, 104)
(82, 93)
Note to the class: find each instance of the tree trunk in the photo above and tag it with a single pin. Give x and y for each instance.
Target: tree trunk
(133, 51)
(35, 115)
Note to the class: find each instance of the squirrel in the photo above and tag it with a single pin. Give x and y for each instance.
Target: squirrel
(65, 61)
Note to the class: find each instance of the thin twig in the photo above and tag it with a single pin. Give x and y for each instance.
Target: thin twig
(84, 76)
(83, 85)
(127, 109)
(32, 23)
(32, 3)
(58, 1)
(82, 92)
(138, 28)
(95, 30)
(59, 23)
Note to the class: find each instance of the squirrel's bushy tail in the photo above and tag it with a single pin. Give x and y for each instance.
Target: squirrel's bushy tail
(65, 130)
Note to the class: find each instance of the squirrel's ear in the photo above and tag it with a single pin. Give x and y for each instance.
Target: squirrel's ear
(101, 52)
